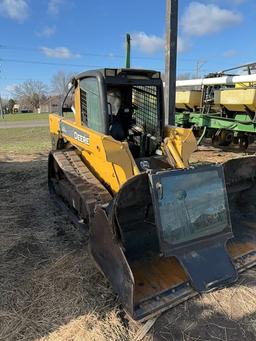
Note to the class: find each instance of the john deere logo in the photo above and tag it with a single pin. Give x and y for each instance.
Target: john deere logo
(72, 132)
(81, 138)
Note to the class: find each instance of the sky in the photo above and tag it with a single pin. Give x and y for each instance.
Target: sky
(41, 37)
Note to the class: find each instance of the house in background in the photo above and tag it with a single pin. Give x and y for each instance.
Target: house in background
(51, 104)
(16, 108)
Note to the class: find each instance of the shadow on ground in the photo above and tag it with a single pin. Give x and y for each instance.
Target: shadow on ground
(227, 314)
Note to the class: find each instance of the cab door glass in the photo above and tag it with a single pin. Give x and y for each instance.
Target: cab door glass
(68, 106)
(91, 114)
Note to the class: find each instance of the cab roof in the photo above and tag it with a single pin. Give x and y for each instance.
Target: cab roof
(122, 73)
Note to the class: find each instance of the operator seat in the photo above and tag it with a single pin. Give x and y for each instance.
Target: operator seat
(116, 124)
(116, 129)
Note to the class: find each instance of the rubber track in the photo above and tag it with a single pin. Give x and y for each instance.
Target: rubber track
(80, 188)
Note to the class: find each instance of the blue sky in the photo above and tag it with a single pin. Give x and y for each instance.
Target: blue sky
(41, 37)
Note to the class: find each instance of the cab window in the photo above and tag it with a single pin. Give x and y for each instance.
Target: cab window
(90, 104)
(68, 106)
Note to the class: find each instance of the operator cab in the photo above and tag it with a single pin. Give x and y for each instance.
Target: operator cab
(123, 120)
(126, 104)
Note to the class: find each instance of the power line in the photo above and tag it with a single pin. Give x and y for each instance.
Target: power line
(22, 61)
(111, 56)
(86, 54)
(89, 54)
(199, 65)
(114, 56)
(34, 62)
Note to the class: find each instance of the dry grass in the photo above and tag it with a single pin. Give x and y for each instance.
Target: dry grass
(50, 288)
(92, 327)
(66, 299)
(225, 315)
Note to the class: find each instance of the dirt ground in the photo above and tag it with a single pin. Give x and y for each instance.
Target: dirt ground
(51, 290)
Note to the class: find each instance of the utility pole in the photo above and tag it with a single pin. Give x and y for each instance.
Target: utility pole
(199, 65)
(128, 51)
(171, 60)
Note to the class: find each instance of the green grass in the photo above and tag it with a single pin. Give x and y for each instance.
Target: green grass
(25, 140)
(25, 117)
(30, 117)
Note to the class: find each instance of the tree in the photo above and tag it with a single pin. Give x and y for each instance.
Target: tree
(11, 104)
(60, 82)
(183, 76)
(30, 93)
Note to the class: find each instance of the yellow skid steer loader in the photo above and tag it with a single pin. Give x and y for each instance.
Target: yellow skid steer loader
(161, 230)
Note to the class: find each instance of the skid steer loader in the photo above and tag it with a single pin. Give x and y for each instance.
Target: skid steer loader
(161, 230)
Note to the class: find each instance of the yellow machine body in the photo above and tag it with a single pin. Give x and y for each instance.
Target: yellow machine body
(161, 231)
(111, 160)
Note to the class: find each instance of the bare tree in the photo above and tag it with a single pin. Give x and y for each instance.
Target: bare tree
(30, 93)
(183, 76)
(60, 82)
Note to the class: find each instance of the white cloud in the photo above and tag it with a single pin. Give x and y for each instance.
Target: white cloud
(47, 31)
(151, 43)
(14, 9)
(182, 45)
(200, 19)
(54, 6)
(147, 43)
(59, 52)
(230, 53)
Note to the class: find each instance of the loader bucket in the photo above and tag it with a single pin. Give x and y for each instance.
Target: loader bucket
(169, 235)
